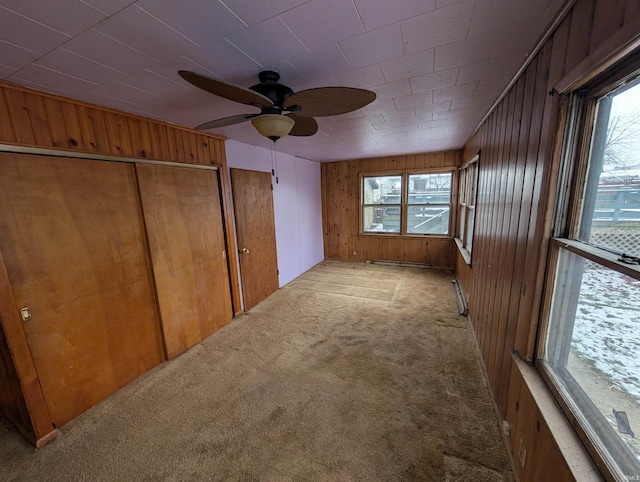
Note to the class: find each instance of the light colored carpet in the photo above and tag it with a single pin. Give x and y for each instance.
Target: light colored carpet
(350, 372)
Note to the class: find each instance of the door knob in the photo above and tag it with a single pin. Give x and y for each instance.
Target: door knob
(245, 250)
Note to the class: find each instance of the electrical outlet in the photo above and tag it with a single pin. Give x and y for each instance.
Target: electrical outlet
(522, 453)
(354, 253)
(505, 427)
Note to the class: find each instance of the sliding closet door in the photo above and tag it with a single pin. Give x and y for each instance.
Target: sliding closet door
(186, 237)
(73, 241)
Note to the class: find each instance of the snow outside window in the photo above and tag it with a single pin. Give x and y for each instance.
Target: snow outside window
(591, 347)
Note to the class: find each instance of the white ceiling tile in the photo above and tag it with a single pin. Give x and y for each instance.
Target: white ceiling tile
(267, 42)
(321, 63)
(379, 106)
(130, 61)
(489, 69)
(378, 14)
(127, 93)
(364, 77)
(399, 114)
(16, 57)
(464, 51)
(62, 60)
(152, 82)
(439, 27)
(141, 31)
(6, 71)
(476, 100)
(432, 124)
(485, 17)
(373, 46)
(492, 86)
(399, 88)
(254, 12)
(225, 60)
(408, 66)
(518, 39)
(67, 16)
(469, 112)
(101, 48)
(28, 34)
(31, 81)
(109, 6)
(413, 100)
(455, 92)
(446, 3)
(52, 79)
(320, 22)
(435, 107)
(203, 21)
(435, 80)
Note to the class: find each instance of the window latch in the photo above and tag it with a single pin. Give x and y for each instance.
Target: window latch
(626, 259)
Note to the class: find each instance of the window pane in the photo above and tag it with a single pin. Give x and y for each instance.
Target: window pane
(611, 214)
(462, 220)
(381, 219)
(469, 241)
(592, 349)
(382, 190)
(428, 220)
(430, 188)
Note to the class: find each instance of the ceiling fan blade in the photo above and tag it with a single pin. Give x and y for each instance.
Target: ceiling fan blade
(304, 126)
(228, 91)
(225, 121)
(325, 101)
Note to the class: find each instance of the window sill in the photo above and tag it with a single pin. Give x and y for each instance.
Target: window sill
(463, 251)
(571, 449)
(383, 234)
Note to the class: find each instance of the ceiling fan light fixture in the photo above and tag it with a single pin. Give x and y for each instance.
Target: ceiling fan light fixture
(273, 126)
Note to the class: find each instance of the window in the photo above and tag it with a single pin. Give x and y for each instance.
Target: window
(467, 187)
(590, 347)
(407, 203)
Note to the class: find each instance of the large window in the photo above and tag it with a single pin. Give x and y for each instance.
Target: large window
(407, 203)
(467, 188)
(590, 347)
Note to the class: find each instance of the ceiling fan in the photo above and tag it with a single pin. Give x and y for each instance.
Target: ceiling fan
(282, 111)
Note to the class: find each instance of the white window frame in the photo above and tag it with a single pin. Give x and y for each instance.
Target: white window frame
(404, 204)
(557, 320)
(467, 195)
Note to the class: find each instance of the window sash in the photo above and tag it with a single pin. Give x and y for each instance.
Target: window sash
(466, 203)
(405, 206)
(556, 328)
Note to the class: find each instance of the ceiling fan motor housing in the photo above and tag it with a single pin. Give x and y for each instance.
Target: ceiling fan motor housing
(274, 90)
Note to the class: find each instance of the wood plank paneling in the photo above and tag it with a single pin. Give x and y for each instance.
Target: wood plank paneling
(341, 213)
(517, 177)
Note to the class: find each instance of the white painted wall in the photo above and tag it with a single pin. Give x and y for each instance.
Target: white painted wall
(297, 205)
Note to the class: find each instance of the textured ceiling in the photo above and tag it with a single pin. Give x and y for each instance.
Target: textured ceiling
(436, 65)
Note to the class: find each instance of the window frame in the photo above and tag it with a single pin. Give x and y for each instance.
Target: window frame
(468, 178)
(404, 201)
(581, 116)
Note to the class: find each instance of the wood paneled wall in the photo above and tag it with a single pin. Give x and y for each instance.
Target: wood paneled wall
(517, 179)
(340, 213)
(34, 119)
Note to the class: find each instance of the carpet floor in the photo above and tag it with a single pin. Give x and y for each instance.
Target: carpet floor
(350, 372)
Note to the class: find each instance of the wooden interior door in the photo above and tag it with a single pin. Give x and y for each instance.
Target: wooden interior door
(256, 232)
(186, 237)
(73, 241)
